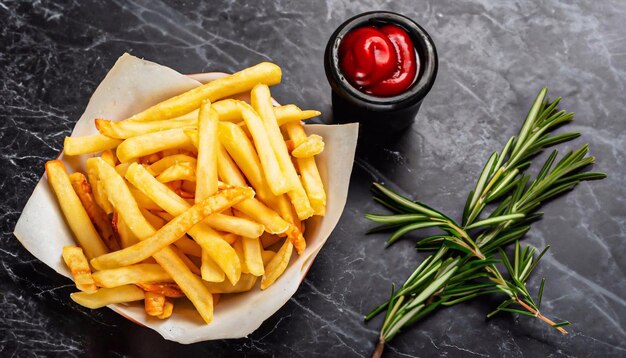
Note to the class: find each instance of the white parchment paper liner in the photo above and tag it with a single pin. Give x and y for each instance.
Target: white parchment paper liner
(131, 86)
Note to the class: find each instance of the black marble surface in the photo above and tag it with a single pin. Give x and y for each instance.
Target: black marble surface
(494, 56)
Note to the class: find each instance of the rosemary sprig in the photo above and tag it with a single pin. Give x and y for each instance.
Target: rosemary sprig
(464, 265)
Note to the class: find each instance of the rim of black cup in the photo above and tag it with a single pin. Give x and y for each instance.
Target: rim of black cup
(422, 42)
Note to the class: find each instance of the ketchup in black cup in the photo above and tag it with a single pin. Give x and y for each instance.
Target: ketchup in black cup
(380, 66)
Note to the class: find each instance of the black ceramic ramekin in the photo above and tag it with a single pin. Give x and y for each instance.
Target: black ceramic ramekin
(380, 116)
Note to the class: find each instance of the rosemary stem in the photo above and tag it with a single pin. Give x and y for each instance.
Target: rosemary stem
(539, 315)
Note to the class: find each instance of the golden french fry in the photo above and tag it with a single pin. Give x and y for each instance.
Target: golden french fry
(107, 296)
(145, 144)
(262, 142)
(210, 270)
(88, 144)
(238, 246)
(178, 171)
(73, 210)
(188, 247)
(211, 242)
(267, 256)
(167, 289)
(96, 187)
(79, 267)
(262, 103)
(122, 200)
(133, 274)
(277, 265)
(206, 170)
(98, 217)
(309, 174)
(109, 157)
(255, 209)
(168, 161)
(127, 238)
(291, 113)
(190, 264)
(122, 168)
(142, 200)
(239, 82)
(227, 110)
(227, 170)
(130, 128)
(168, 308)
(313, 145)
(156, 221)
(242, 151)
(235, 225)
(252, 255)
(154, 303)
(173, 230)
(245, 283)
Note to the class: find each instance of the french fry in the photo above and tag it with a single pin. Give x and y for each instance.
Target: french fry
(129, 128)
(73, 210)
(109, 157)
(127, 238)
(262, 103)
(133, 274)
(190, 264)
(79, 267)
(150, 143)
(210, 270)
(142, 200)
(97, 189)
(309, 174)
(291, 113)
(277, 265)
(238, 246)
(313, 145)
(168, 161)
(252, 255)
(155, 221)
(88, 144)
(98, 217)
(188, 246)
(107, 296)
(227, 110)
(122, 167)
(239, 82)
(284, 114)
(235, 225)
(245, 283)
(221, 252)
(122, 200)
(167, 289)
(168, 308)
(173, 230)
(154, 303)
(178, 171)
(262, 142)
(242, 151)
(230, 174)
(227, 169)
(267, 256)
(206, 170)
(255, 209)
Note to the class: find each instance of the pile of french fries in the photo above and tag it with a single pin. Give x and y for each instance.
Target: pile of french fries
(197, 196)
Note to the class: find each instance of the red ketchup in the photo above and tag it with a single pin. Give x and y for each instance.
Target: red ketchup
(380, 61)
